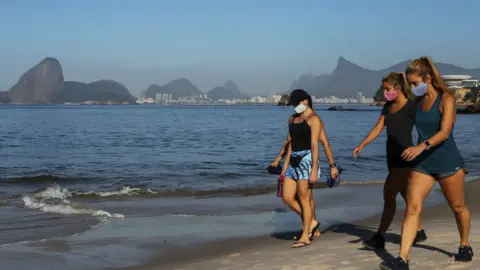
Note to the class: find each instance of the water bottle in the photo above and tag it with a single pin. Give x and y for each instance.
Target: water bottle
(280, 186)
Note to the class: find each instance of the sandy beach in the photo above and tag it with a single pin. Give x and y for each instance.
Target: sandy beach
(339, 246)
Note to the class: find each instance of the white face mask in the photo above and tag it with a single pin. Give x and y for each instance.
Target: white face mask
(300, 108)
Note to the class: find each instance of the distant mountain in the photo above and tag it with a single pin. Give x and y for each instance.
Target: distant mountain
(44, 84)
(232, 86)
(178, 88)
(4, 98)
(101, 91)
(348, 78)
(39, 84)
(309, 82)
(229, 91)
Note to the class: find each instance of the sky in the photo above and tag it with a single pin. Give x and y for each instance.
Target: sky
(262, 45)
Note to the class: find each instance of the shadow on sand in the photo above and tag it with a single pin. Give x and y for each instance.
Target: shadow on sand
(362, 233)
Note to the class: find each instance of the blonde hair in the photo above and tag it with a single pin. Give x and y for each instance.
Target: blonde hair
(399, 81)
(424, 67)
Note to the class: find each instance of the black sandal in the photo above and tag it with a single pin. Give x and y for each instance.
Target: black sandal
(310, 234)
(303, 244)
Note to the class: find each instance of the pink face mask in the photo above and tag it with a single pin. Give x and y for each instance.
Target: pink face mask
(390, 95)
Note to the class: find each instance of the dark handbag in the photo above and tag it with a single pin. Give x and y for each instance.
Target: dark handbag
(274, 169)
(331, 182)
(295, 160)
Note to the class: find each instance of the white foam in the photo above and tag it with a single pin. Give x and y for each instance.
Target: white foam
(126, 190)
(55, 200)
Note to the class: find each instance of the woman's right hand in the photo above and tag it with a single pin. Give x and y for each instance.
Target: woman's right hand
(275, 163)
(357, 151)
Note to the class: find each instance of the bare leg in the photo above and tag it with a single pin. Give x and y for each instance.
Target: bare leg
(290, 194)
(314, 216)
(291, 199)
(419, 186)
(304, 196)
(453, 189)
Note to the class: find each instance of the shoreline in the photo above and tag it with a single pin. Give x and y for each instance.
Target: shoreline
(274, 252)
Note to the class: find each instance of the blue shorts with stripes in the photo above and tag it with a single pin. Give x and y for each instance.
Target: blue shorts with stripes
(302, 172)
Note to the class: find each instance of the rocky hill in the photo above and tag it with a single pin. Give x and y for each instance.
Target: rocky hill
(229, 91)
(100, 91)
(348, 78)
(39, 84)
(178, 88)
(44, 83)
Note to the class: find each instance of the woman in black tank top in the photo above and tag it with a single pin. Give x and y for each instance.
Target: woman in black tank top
(398, 114)
(301, 168)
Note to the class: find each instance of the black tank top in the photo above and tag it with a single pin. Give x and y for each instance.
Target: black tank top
(399, 127)
(301, 135)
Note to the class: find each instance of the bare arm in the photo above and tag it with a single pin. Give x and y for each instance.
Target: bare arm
(287, 157)
(375, 132)
(326, 146)
(449, 115)
(289, 149)
(283, 150)
(315, 126)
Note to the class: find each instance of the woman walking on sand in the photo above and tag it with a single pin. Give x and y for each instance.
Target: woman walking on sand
(434, 158)
(328, 152)
(301, 167)
(398, 114)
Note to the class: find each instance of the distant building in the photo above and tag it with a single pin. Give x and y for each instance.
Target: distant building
(257, 99)
(163, 97)
(470, 83)
(273, 98)
(360, 97)
(455, 81)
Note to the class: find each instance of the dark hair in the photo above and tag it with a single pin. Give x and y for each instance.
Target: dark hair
(299, 95)
(424, 67)
(310, 103)
(398, 80)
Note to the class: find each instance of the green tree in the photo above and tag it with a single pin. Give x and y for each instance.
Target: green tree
(284, 100)
(474, 94)
(468, 96)
(378, 97)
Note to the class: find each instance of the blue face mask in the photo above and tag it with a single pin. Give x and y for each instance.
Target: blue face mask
(420, 90)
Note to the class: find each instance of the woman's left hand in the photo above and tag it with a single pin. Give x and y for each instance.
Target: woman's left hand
(413, 152)
(313, 176)
(334, 172)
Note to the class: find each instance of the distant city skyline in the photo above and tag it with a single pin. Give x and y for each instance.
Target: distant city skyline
(263, 46)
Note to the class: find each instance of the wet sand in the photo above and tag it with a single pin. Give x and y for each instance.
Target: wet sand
(339, 247)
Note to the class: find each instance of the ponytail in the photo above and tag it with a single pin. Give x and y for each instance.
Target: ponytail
(404, 86)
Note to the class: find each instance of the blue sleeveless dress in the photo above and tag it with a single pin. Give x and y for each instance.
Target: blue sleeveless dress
(440, 161)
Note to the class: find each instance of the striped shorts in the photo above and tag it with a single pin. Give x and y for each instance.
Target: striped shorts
(302, 172)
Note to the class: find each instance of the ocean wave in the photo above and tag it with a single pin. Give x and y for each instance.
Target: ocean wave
(132, 191)
(148, 190)
(123, 191)
(56, 200)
